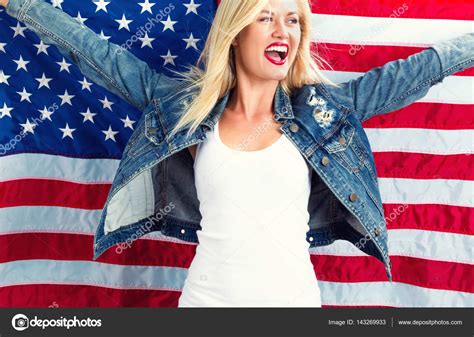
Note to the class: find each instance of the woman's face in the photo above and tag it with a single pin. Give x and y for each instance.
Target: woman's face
(267, 47)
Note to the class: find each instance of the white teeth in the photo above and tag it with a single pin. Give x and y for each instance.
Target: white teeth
(281, 49)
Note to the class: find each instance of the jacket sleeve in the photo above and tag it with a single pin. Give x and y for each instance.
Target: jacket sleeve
(401, 82)
(105, 63)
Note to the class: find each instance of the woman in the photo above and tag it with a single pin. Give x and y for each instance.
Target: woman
(262, 167)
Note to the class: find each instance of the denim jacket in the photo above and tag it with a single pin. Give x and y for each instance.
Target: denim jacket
(154, 190)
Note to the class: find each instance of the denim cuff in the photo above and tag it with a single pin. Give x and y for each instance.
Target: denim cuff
(455, 54)
(17, 8)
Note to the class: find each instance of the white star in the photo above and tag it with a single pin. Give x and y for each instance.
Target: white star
(57, 3)
(29, 127)
(192, 7)
(146, 41)
(67, 132)
(21, 64)
(19, 30)
(168, 24)
(110, 134)
(124, 22)
(146, 6)
(101, 4)
(127, 122)
(4, 78)
(64, 65)
(42, 47)
(43, 81)
(88, 116)
(169, 58)
(191, 41)
(5, 111)
(46, 114)
(25, 96)
(106, 104)
(2, 47)
(86, 85)
(66, 98)
(80, 18)
(103, 36)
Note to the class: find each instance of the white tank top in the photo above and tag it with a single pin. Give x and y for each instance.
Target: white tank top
(252, 248)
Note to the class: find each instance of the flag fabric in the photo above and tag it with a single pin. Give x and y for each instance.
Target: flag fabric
(55, 175)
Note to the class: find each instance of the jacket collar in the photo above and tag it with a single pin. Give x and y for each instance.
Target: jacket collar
(282, 107)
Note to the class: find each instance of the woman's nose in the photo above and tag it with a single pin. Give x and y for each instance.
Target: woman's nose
(281, 30)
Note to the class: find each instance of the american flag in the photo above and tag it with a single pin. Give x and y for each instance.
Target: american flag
(55, 176)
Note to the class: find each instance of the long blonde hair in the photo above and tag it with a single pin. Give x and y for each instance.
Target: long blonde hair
(214, 73)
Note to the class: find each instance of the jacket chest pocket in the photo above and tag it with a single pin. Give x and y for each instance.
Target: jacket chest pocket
(346, 148)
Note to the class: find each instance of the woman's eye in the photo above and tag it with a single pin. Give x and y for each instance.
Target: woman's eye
(266, 18)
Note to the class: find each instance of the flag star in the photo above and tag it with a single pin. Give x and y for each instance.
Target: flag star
(106, 104)
(57, 3)
(101, 4)
(80, 18)
(42, 47)
(43, 81)
(168, 24)
(25, 96)
(5, 111)
(19, 30)
(124, 23)
(46, 114)
(86, 85)
(146, 6)
(103, 36)
(127, 122)
(64, 65)
(169, 58)
(29, 127)
(192, 7)
(191, 42)
(88, 116)
(146, 41)
(4, 78)
(21, 64)
(67, 132)
(110, 134)
(66, 98)
(2, 47)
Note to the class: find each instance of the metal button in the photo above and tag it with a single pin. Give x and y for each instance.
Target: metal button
(183, 231)
(325, 161)
(294, 127)
(284, 110)
(353, 197)
(377, 231)
(342, 140)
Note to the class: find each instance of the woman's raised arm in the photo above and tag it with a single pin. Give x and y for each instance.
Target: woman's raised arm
(105, 63)
(401, 82)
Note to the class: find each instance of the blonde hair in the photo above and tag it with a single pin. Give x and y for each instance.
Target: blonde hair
(214, 73)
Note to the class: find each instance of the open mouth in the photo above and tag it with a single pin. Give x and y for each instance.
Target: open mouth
(277, 53)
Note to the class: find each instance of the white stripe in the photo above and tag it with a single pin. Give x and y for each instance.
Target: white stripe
(427, 191)
(91, 273)
(423, 244)
(453, 89)
(32, 165)
(386, 31)
(432, 141)
(394, 294)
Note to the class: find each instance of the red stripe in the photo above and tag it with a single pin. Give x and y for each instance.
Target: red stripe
(80, 296)
(443, 116)
(362, 58)
(437, 218)
(410, 270)
(328, 268)
(47, 192)
(417, 9)
(424, 166)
